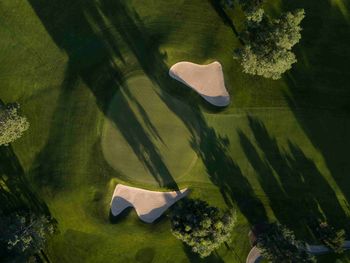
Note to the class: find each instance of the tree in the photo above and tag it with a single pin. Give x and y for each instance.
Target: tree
(250, 4)
(266, 63)
(278, 244)
(25, 235)
(334, 239)
(202, 227)
(255, 16)
(286, 30)
(269, 42)
(252, 9)
(12, 125)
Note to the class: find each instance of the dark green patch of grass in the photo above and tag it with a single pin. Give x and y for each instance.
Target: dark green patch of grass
(64, 61)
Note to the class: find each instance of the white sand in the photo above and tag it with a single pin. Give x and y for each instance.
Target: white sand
(254, 256)
(207, 80)
(149, 205)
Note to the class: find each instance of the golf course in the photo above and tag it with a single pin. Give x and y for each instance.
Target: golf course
(92, 78)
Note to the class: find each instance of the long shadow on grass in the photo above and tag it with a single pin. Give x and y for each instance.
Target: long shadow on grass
(16, 196)
(15, 191)
(220, 10)
(211, 148)
(83, 29)
(46, 168)
(145, 47)
(226, 174)
(319, 93)
(296, 189)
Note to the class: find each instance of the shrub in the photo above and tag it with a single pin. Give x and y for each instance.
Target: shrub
(255, 16)
(278, 244)
(202, 227)
(266, 63)
(25, 235)
(12, 125)
(334, 239)
(267, 51)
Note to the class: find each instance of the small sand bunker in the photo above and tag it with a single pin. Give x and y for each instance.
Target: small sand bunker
(207, 80)
(149, 205)
(254, 255)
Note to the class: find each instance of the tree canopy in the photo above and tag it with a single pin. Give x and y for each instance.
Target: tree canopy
(252, 9)
(332, 238)
(202, 227)
(25, 234)
(12, 125)
(269, 42)
(250, 4)
(278, 244)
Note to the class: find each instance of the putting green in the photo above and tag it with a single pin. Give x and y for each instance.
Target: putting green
(143, 139)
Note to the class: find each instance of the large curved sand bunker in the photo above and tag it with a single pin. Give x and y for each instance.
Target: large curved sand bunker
(207, 80)
(143, 139)
(149, 205)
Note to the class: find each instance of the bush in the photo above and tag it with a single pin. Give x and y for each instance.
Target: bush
(334, 239)
(267, 51)
(12, 125)
(266, 63)
(202, 227)
(24, 235)
(250, 6)
(278, 244)
(255, 16)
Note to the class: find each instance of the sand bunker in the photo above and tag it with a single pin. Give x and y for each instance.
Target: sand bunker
(149, 205)
(254, 255)
(207, 80)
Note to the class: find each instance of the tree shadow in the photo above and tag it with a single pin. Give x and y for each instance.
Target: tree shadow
(15, 191)
(321, 191)
(145, 47)
(226, 174)
(83, 31)
(319, 85)
(121, 217)
(141, 144)
(296, 189)
(92, 57)
(145, 255)
(220, 10)
(45, 168)
(16, 196)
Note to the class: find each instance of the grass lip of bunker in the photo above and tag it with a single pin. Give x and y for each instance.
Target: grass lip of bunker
(143, 139)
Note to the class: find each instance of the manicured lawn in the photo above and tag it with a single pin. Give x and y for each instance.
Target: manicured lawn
(142, 136)
(92, 79)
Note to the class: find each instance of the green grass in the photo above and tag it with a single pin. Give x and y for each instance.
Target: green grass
(142, 137)
(279, 151)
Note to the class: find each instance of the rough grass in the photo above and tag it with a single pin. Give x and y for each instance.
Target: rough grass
(279, 151)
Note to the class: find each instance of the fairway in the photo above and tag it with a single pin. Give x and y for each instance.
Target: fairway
(142, 137)
(92, 78)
